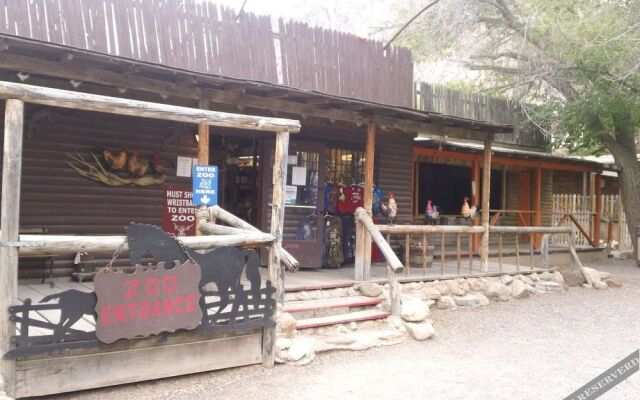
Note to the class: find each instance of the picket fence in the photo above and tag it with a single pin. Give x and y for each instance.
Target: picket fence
(580, 207)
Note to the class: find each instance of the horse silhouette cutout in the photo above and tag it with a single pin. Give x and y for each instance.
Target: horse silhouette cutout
(223, 266)
(74, 304)
(144, 239)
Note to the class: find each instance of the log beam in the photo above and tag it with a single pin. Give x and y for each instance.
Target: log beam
(9, 223)
(40, 245)
(219, 213)
(363, 239)
(203, 159)
(276, 272)
(486, 193)
(135, 108)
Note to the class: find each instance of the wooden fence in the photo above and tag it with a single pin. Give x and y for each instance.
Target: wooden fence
(202, 37)
(580, 207)
(481, 107)
(345, 64)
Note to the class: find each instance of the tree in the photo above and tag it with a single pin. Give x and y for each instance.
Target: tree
(578, 62)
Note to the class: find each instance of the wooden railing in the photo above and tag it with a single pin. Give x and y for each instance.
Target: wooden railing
(424, 232)
(394, 266)
(238, 226)
(442, 231)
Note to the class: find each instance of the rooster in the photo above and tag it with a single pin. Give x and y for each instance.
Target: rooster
(389, 210)
(158, 165)
(116, 163)
(135, 166)
(468, 212)
(432, 212)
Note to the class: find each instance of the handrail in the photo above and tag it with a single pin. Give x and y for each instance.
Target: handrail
(393, 260)
(552, 230)
(238, 223)
(429, 229)
(34, 245)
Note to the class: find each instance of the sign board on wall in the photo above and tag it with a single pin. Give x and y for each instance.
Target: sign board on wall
(205, 185)
(148, 302)
(179, 214)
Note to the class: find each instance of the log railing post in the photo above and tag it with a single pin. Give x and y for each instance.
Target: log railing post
(486, 191)
(9, 231)
(203, 159)
(363, 238)
(276, 272)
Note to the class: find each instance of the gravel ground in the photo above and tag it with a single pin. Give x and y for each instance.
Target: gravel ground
(543, 347)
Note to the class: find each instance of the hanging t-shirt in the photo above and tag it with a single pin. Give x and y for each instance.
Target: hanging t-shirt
(378, 198)
(330, 198)
(357, 197)
(344, 193)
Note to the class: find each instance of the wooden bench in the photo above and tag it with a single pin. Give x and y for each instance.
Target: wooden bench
(47, 267)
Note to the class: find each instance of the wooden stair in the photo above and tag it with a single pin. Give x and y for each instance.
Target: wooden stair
(364, 315)
(333, 311)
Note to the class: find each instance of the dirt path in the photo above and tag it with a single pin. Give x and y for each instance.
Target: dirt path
(543, 347)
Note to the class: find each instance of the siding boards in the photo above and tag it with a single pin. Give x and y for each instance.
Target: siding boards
(56, 198)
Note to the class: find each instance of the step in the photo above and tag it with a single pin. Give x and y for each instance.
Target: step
(365, 315)
(336, 302)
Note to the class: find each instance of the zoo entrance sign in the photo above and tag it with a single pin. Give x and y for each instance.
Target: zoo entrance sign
(205, 185)
(149, 301)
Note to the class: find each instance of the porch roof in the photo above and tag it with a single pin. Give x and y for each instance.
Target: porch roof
(505, 151)
(64, 62)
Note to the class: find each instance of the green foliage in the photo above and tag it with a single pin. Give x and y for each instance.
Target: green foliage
(578, 62)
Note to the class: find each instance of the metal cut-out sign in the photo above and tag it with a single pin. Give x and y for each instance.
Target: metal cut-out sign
(147, 302)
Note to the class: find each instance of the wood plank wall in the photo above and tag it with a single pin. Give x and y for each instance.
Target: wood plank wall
(57, 198)
(203, 37)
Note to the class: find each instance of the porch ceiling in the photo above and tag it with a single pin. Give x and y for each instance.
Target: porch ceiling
(61, 62)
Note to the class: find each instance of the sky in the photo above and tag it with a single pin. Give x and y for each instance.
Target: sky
(361, 17)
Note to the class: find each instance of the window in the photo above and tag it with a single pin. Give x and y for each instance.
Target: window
(344, 166)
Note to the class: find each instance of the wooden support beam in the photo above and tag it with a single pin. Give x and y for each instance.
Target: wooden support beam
(598, 209)
(486, 193)
(538, 206)
(368, 198)
(209, 228)
(276, 272)
(203, 158)
(475, 187)
(136, 108)
(9, 225)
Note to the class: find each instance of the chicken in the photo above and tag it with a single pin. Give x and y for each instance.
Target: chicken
(390, 210)
(116, 163)
(468, 212)
(135, 166)
(432, 212)
(158, 165)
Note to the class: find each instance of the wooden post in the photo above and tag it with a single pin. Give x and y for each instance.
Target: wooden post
(538, 207)
(598, 209)
(9, 231)
(475, 184)
(407, 253)
(363, 238)
(395, 303)
(503, 200)
(203, 159)
(276, 273)
(486, 191)
(544, 251)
